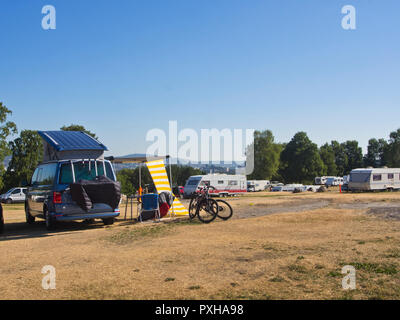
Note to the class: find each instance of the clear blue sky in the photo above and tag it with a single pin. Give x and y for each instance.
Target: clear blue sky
(123, 67)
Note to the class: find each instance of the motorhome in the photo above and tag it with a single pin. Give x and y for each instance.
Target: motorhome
(369, 179)
(257, 185)
(224, 184)
(334, 181)
(322, 180)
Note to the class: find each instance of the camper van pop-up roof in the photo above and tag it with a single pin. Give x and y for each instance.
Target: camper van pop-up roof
(69, 145)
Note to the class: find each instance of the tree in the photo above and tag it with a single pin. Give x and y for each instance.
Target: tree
(341, 159)
(327, 154)
(125, 177)
(181, 173)
(27, 152)
(375, 156)
(266, 156)
(77, 127)
(7, 128)
(300, 160)
(392, 150)
(129, 178)
(354, 155)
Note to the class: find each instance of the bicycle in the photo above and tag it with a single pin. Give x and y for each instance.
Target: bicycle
(202, 206)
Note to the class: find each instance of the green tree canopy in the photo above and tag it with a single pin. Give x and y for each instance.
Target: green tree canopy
(354, 155)
(77, 127)
(327, 154)
(375, 156)
(27, 153)
(7, 128)
(300, 160)
(392, 152)
(266, 156)
(341, 159)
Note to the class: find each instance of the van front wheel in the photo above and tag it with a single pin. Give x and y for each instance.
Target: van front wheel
(29, 218)
(108, 221)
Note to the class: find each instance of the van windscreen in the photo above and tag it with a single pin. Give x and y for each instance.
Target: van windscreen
(84, 171)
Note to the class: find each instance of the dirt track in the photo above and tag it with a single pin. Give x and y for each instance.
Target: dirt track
(259, 254)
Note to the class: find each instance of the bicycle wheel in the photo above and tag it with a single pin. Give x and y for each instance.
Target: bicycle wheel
(225, 210)
(207, 210)
(192, 208)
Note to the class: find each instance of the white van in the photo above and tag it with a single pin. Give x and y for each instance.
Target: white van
(322, 180)
(224, 184)
(334, 181)
(257, 185)
(14, 195)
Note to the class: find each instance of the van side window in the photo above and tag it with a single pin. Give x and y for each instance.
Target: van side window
(65, 173)
(48, 174)
(220, 181)
(233, 183)
(390, 175)
(16, 191)
(37, 175)
(377, 177)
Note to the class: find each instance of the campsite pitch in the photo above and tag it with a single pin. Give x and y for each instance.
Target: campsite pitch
(277, 246)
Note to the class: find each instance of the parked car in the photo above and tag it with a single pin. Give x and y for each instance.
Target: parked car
(177, 191)
(14, 195)
(287, 188)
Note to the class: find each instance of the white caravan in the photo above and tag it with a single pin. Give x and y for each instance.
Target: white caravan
(257, 185)
(374, 179)
(224, 184)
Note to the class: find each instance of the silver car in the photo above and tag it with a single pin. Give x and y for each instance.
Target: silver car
(14, 195)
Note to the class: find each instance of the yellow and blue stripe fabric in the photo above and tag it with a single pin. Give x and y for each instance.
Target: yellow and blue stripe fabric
(159, 175)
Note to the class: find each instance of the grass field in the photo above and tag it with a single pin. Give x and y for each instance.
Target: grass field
(278, 246)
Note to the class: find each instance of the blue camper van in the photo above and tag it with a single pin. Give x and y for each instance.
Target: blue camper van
(71, 157)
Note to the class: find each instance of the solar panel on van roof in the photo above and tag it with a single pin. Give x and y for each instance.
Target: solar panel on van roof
(71, 140)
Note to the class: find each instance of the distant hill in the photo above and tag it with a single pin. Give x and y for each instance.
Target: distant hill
(219, 167)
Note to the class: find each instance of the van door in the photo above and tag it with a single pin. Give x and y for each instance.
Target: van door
(20, 196)
(33, 191)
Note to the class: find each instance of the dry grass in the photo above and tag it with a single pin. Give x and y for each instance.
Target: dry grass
(283, 256)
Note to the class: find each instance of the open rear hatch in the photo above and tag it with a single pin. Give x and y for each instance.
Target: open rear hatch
(87, 193)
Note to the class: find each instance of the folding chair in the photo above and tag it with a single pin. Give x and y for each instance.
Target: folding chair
(150, 205)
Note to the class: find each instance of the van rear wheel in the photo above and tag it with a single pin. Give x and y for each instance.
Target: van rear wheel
(50, 222)
(108, 221)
